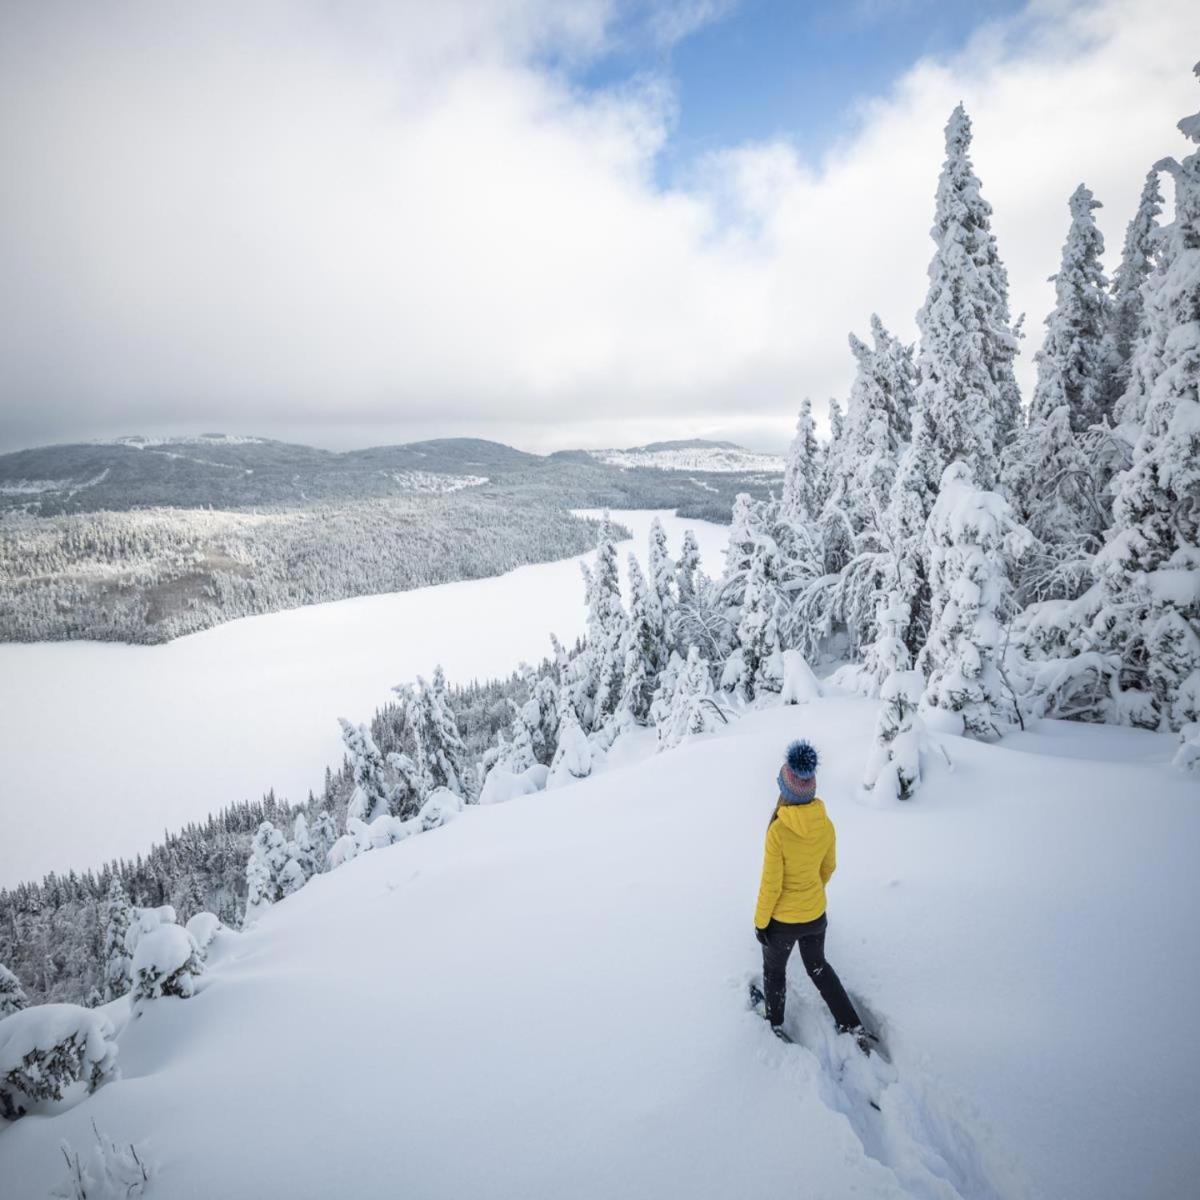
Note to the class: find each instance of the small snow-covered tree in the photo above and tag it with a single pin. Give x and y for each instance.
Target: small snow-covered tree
(690, 708)
(167, 963)
(686, 568)
(441, 754)
(518, 755)
(601, 669)
(965, 362)
(1149, 567)
(664, 586)
(894, 767)
(12, 995)
(265, 870)
(645, 646)
(573, 759)
(118, 976)
(755, 666)
(372, 795)
(973, 536)
(801, 498)
(322, 834)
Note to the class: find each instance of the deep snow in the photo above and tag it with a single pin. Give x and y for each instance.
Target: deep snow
(103, 746)
(546, 998)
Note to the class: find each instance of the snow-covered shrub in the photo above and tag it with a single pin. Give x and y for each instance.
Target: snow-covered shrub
(1187, 757)
(141, 922)
(442, 806)
(12, 995)
(799, 683)
(573, 758)
(104, 1170)
(203, 927)
(894, 765)
(502, 784)
(45, 1049)
(167, 963)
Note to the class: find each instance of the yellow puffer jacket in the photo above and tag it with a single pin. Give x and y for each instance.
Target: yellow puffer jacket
(798, 860)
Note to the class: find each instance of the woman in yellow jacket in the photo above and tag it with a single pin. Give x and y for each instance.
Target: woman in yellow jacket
(797, 863)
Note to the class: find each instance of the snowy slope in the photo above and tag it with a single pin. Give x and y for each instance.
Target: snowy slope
(104, 745)
(545, 998)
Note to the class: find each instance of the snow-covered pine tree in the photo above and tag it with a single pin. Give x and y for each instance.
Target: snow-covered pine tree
(689, 710)
(322, 834)
(372, 794)
(573, 757)
(441, 755)
(905, 570)
(301, 863)
(755, 666)
(264, 870)
(603, 668)
(801, 497)
(686, 568)
(972, 539)
(12, 995)
(518, 755)
(645, 646)
(877, 424)
(965, 362)
(663, 584)
(118, 975)
(739, 550)
(541, 717)
(1150, 565)
(1074, 367)
(1137, 263)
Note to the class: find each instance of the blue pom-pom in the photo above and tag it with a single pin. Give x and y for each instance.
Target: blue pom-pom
(802, 758)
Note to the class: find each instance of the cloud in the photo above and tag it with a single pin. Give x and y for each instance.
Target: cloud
(372, 221)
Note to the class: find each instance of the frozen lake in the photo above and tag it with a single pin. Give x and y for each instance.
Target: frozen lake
(104, 746)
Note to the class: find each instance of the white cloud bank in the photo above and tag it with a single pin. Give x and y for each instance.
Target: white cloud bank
(371, 222)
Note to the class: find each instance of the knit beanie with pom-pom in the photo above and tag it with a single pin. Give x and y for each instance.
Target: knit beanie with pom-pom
(798, 778)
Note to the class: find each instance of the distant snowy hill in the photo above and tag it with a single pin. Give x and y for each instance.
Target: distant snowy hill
(547, 998)
(718, 457)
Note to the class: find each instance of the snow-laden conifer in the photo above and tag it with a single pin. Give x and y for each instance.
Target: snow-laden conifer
(265, 869)
(645, 646)
(1150, 566)
(664, 585)
(12, 995)
(965, 361)
(686, 568)
(973, 538)
(601, 672)
(440, 754)
(1074, 367)
(118, 976)
(894, 764)
(755, 666)
(877, 424)
(1137, 263)
(690, 709)
(800, 499)
(372, 793)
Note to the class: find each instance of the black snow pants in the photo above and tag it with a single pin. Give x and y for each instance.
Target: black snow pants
(810, 935)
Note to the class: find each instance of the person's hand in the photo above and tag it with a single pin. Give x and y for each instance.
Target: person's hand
(761, 934)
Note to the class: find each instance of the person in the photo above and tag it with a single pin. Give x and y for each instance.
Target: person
(799, 858)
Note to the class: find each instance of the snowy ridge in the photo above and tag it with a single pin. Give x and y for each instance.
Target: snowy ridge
(719, 459)
(556, 995)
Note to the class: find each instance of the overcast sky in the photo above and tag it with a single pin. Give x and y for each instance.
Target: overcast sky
(552, 223)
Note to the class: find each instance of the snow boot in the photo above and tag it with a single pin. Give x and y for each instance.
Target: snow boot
(863, 1037)
(782, 1034)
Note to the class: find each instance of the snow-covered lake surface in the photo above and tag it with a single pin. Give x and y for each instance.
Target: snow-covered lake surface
(105, 746)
